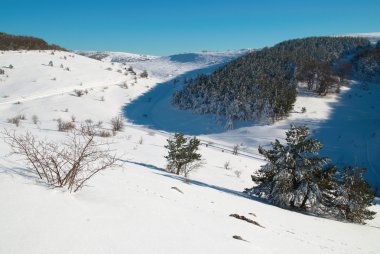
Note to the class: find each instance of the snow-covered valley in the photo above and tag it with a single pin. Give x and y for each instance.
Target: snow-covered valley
(136, 208)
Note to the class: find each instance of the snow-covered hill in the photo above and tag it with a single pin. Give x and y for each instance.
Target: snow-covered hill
(168, 67)
(111, 56)
(134, 209)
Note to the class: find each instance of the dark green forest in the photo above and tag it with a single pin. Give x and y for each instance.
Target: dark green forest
(262, 85)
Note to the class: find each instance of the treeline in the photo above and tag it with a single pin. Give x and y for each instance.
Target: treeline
(16, 42)
(262, 84)
(366, 64)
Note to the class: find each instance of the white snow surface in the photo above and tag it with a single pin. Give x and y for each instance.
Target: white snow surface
(133, 209)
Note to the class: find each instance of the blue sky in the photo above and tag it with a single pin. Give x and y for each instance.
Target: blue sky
(165, 27)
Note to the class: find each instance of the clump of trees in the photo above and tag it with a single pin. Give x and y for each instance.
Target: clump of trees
(296, 177)
(15, 42)
(183, 156)
(262, 85)
(70, 164)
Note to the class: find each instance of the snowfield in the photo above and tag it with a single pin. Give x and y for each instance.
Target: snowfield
(134, 208)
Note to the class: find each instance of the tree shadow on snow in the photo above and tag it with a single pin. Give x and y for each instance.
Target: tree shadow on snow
(351, 134)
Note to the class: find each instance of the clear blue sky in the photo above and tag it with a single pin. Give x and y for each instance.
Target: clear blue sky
(164, 27)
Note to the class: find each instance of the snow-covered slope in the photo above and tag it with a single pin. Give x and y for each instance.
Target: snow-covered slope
(32, 77)
(134, 209)
(111, 56)
(168, 67)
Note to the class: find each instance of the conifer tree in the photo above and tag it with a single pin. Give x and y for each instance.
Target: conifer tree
(294, 174)
(354, 195)
(182, 155)
(296, 177)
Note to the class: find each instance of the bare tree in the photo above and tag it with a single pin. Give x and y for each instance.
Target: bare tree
(69, 164)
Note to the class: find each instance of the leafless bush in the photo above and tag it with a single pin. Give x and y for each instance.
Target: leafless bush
(104, 134)
(117, 123)
(79, 93)
(65, 126)
(35, 119)
(88, 121)
(144, 74)
(227, 165)
(69, 164)
(235, 150)
(16, 120)
(237, 173)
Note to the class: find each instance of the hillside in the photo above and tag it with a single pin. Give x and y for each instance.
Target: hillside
(135, 208)
(262, 85)
(19, 42)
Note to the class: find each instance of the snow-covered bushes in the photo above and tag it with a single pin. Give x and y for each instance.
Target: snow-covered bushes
(295, 177)
(69, 164)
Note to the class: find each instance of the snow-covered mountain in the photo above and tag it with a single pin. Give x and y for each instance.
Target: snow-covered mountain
(136, 208)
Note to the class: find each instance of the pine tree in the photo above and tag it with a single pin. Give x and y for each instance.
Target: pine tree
(182, 154)
(296, 177)
(354, 195)
(294, 174)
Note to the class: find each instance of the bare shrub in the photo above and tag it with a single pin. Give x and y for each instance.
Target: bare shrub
(117, 123)
(65, 126)
(104, 134)
(237, 173)
(227, 165)
(69, 164)
(144, 74)
(79, 93)
(16, 120)
(235, 150)
(35, 119)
